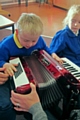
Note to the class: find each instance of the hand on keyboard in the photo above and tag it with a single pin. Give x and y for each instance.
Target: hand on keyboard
(58, 59)
(10, 68)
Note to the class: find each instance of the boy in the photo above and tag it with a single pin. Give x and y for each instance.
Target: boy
(23, 42)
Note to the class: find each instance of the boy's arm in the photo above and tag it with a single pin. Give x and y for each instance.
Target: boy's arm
(44, 45)
(3, 56)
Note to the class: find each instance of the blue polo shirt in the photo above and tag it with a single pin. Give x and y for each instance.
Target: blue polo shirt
(11, 47)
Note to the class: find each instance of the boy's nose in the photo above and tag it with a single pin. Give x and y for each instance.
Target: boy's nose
(75, 24)
(30, 44)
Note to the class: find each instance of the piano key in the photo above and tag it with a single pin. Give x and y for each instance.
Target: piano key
(66, 64)
(72, 68)
(76, 75)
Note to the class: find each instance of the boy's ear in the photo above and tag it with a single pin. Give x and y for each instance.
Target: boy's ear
(16, 31)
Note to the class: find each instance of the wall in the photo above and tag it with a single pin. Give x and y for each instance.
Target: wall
(65, 3)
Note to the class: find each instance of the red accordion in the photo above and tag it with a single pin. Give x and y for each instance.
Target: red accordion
(52, 79)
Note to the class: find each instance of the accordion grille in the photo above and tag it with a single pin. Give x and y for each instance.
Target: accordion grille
(49, 91)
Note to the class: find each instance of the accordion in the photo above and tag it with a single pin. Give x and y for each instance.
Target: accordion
(53, 81)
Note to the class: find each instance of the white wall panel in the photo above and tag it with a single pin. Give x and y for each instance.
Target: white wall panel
(5, 0)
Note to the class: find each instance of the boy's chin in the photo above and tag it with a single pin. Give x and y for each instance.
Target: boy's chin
(27, 47)
(75, 31)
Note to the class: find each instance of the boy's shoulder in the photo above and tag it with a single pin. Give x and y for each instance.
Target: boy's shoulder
(7, 39)
(40, 39)
(62, 31)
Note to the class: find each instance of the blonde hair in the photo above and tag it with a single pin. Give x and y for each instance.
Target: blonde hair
(75, 9)
(30, 23)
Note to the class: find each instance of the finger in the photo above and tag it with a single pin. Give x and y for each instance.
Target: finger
(9, 72)
(15, 105)
(16, 96)
(2, 69)
(61, 62)
(33, 87)
(3, 75)
(13, 68)
(2, 82)
(15, 65)
(19, 109)
(13, 101)
(3, 79)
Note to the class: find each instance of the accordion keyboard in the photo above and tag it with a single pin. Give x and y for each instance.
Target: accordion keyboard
(72, 68)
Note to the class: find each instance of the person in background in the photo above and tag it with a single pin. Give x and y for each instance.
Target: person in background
(7, 111)
(66, 42)
(29, 103)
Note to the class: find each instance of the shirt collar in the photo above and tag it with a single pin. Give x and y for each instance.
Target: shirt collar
(70, 32)
(16, 40)
(76, 33)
